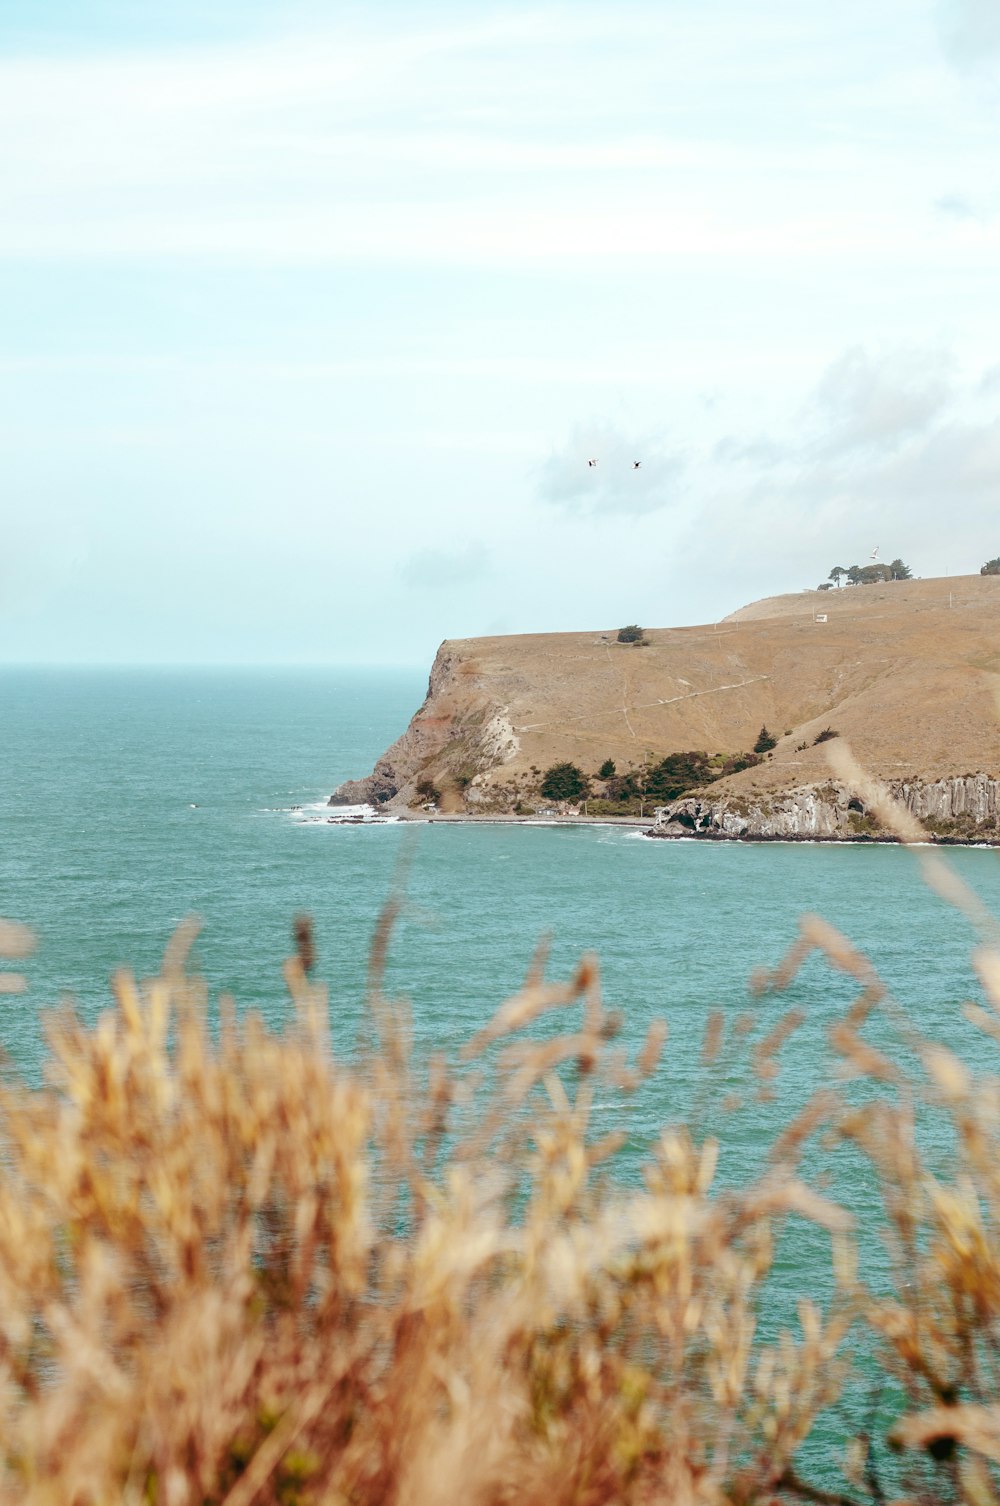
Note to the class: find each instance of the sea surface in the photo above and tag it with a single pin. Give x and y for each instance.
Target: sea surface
(130, 799)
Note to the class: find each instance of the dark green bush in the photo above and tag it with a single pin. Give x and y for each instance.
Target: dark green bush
(564, 781)
(738, 762)
(665, 780)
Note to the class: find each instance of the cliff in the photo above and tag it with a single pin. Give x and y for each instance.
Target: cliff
(961, 809)
(459, 732)
(907, 671)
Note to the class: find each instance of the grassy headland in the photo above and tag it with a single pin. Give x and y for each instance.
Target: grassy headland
(907, 671)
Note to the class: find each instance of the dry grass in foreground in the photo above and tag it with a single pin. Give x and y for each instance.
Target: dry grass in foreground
(235, 1269)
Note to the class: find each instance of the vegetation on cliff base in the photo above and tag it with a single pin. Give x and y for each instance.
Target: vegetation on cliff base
(564, 781)
(238, 1268)
(636, 790)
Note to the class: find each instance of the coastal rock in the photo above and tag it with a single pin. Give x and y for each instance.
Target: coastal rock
(963, 808)
(459, 732)
(975, 797)
(375, 789)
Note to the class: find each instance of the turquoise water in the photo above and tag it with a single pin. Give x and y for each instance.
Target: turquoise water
(130, 799)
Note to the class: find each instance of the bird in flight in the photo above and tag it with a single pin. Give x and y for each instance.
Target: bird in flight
(635, 464)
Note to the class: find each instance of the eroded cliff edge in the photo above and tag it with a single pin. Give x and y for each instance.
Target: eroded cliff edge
(907, 672)
(459, 733)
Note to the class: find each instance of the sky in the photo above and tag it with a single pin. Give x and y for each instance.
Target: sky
(311, 316)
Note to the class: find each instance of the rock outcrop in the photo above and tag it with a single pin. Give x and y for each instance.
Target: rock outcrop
(460, 732)
(964, 808)
(376, 788)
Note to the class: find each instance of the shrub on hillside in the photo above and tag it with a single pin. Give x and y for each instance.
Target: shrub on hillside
(738, 762)
(563, 781)
(631, 634)
(825, 736)
(765, 742)
(609, 805)
(679, 772)
(663, 781)
(607, 769)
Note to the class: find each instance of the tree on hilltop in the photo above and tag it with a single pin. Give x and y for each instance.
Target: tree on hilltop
(864, 575)
(867, 575)
(631, 634)
(991, 567)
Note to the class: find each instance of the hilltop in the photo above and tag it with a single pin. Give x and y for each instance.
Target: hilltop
(908, 671)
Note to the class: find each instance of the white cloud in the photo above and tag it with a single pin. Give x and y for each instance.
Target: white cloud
(528, 137)
(866, 403)
(891, 449)
(437, 569)
(971, 30)
(613, 485)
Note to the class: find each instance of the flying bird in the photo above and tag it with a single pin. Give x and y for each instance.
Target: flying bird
(636, 464)
(874, 553)
(591, 462)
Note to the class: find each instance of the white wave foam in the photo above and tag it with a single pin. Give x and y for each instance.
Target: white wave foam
(321, 813)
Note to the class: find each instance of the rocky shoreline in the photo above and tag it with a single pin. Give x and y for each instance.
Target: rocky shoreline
(664, 830)
(960, 811)
(882, 839)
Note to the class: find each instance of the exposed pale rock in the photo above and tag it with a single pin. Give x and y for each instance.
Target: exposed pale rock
(969, 805)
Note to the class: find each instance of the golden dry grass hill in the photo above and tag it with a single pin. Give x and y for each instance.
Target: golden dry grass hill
(907, 671)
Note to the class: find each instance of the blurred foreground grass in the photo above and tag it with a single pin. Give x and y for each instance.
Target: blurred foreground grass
(237, 1269)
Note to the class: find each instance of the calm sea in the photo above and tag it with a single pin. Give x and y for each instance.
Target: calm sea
(129, 799)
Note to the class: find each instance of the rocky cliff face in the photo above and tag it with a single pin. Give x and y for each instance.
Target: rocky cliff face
(460, 732)
(964, 808)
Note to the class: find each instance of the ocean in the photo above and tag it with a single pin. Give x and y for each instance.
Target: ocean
(130, 799)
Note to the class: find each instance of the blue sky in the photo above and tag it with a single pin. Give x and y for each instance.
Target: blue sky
(311, 315)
